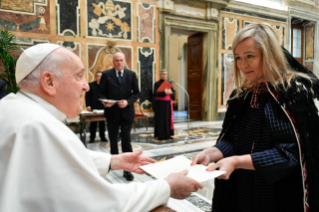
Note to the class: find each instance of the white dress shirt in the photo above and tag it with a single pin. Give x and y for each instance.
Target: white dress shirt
(117, 73)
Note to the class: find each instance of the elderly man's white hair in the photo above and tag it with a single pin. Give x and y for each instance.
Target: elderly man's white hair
(53, 63)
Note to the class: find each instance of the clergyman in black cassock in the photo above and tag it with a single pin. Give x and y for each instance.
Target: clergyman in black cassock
(163, 108)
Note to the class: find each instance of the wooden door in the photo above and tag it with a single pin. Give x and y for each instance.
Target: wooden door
(195, 75)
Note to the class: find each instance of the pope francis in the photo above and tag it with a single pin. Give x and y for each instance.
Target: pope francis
(43, 164)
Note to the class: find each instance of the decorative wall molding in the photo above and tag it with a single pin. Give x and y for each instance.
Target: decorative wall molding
(180, 8)
(190, 23)
(212, 12)
(309, 2)
(167, 5)
(256, 11)
(218, 4)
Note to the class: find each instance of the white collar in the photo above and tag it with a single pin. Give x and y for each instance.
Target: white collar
(117, 73)
(46, 105)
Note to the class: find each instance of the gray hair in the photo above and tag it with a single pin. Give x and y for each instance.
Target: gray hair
(163, 70)
(52, 63)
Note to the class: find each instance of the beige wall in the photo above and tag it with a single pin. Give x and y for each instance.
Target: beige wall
(177, 68)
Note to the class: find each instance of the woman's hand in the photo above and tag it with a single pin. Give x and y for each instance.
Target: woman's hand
(207, 155)
(231, 163)
(227, 164)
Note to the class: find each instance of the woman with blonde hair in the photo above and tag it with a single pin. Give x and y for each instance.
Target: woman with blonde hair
(268, 146)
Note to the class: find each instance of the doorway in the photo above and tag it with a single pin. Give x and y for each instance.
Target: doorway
(187, 72)
(181, 28)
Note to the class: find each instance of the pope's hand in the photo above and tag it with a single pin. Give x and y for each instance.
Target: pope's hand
(130, 162)
(182, 186)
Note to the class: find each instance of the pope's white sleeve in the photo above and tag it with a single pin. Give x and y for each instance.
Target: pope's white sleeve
(101, 160)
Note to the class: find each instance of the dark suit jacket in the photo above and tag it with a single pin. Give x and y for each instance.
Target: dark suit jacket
(2, 89)
(92, 96)
(112, 89)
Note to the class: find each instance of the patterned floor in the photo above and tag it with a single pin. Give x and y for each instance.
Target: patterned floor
(195, 133)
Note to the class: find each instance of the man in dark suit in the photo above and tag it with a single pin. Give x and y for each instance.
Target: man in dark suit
(2, 89)
(119, 84)
(92, 102)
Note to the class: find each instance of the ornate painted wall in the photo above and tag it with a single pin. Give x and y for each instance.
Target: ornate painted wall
(92, 29)
(95, 29)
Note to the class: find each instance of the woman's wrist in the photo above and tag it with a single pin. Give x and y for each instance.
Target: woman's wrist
(214, 154)
(243, 162)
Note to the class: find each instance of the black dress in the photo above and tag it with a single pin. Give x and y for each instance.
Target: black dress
(163, 128)
(247, 190)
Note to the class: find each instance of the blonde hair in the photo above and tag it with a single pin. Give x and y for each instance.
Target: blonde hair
(275, 66)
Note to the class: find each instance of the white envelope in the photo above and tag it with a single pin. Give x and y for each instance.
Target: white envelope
(177, 164)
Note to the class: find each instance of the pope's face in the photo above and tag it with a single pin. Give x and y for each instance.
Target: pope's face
(71, 87)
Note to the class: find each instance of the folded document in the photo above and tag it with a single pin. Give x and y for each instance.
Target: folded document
(109, 100)
(177, 164)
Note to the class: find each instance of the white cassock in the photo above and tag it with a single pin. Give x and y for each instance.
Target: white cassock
(45, 167)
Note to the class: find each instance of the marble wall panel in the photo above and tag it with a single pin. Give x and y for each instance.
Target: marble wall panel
(25, 43)
(256, 16)
(68, 17)
(75, 47)
(146, 23)
(310, 29)
(227, 77)
(230, 28)
(309, 65)
(100, 58)
(25, 16)
(280, 31)
(146, 64)
(245, 23)
(109, 19)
